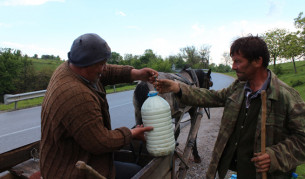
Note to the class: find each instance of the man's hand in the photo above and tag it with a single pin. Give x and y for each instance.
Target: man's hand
(138, 132)
(262, 162)
(166, 86)
(144, 74)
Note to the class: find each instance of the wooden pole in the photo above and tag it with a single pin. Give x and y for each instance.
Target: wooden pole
(83, 166)
(263, 127)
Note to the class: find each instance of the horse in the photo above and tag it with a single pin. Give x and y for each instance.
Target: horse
(193, 77)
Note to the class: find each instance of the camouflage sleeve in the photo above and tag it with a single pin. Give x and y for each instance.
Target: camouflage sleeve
(202, 97)
(289, 153)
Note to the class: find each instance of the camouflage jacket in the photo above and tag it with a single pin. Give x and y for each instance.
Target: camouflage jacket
(285, 123)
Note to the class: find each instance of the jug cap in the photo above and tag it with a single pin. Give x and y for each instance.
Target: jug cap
(152, 93)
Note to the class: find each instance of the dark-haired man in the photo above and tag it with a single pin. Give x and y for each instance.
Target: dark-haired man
(238, 144)
(75, 119)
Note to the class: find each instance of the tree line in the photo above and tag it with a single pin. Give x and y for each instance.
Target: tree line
(17, 73)
(286, 45)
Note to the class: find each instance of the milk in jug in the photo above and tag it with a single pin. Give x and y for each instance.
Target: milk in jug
(156, 113)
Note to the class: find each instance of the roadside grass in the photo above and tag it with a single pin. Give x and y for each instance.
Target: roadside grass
(38, 101)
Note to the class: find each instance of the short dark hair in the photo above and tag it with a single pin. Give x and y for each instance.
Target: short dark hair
(251, 47)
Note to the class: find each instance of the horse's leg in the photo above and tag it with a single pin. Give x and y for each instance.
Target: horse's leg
(197, 158)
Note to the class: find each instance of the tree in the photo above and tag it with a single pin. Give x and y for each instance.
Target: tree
(274, 39)
(147, 57)
(35, 56)
(292, 47)
(191, 55)
(176, 60)
(299, 22)
(227, 58)
(204, 53)
(115, 58)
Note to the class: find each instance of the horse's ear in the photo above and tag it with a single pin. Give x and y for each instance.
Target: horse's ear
(209, 72)
(186, 66)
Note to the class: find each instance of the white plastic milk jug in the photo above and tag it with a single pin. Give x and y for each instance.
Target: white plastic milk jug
(156, 113)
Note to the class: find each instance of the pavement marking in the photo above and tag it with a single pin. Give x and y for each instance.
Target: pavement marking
(12, 133)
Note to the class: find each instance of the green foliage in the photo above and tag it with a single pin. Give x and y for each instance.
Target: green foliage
(278, 70)
(221, 68)
(10, 69)
(19, 74)
(274, 40)
(115, 58)
(295, 83)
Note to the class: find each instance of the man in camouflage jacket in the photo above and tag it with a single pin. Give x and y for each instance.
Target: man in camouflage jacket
(285, 123)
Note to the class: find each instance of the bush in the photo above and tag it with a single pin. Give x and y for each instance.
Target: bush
(295, 83)
(278, 70)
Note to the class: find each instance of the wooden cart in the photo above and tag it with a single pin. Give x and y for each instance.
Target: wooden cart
(23, 162)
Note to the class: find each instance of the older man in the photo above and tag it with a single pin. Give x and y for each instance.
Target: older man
(75, 119)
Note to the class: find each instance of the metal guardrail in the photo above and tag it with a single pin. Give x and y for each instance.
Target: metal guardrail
(14, 98)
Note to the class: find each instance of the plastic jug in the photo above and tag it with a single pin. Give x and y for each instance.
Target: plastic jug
(156, 113)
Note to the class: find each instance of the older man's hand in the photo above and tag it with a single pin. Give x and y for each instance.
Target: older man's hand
(144, 74)
(138, 132)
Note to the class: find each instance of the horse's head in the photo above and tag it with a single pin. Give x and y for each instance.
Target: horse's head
(204, 78)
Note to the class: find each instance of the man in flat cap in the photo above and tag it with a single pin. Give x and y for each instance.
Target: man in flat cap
(75, 119)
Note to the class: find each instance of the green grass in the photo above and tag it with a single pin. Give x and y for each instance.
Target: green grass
(40, 64)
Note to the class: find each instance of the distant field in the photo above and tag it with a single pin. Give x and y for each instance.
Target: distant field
(40, 64)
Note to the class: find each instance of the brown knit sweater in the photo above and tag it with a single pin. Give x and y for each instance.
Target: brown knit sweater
(75, 124)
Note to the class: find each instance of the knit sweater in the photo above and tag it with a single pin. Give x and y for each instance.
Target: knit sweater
(75, 124)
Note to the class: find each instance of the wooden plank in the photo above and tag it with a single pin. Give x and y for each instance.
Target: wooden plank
(26, 169)
(158, 168)
(16, 156)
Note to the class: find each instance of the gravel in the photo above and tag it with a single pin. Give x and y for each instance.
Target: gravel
(206, 139)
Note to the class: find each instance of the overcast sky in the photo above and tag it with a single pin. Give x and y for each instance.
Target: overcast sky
(165, 26)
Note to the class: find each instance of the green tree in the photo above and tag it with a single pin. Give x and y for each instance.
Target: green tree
(25, 80)
(115, 58)
(204, 55)
(147, 57)
(10, 68)
(274, 39)
(292, 47)
(300, 24)
(191, 55)
(226, 58)
(176, 60)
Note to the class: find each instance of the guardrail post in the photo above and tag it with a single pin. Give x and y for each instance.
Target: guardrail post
(15, 105)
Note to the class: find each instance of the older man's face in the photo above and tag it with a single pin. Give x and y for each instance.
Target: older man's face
(95, 71)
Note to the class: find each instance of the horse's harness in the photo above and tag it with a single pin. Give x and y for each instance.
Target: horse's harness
(185, 80)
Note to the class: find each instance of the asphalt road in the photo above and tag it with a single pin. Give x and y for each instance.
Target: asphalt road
(22, 127)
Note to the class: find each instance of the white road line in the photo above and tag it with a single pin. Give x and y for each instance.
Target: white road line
(19, 131)
(120, 105)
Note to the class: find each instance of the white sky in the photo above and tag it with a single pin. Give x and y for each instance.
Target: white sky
(165, 26)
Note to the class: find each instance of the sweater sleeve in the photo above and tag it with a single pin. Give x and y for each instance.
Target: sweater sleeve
(114, 74)
(84, 122)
